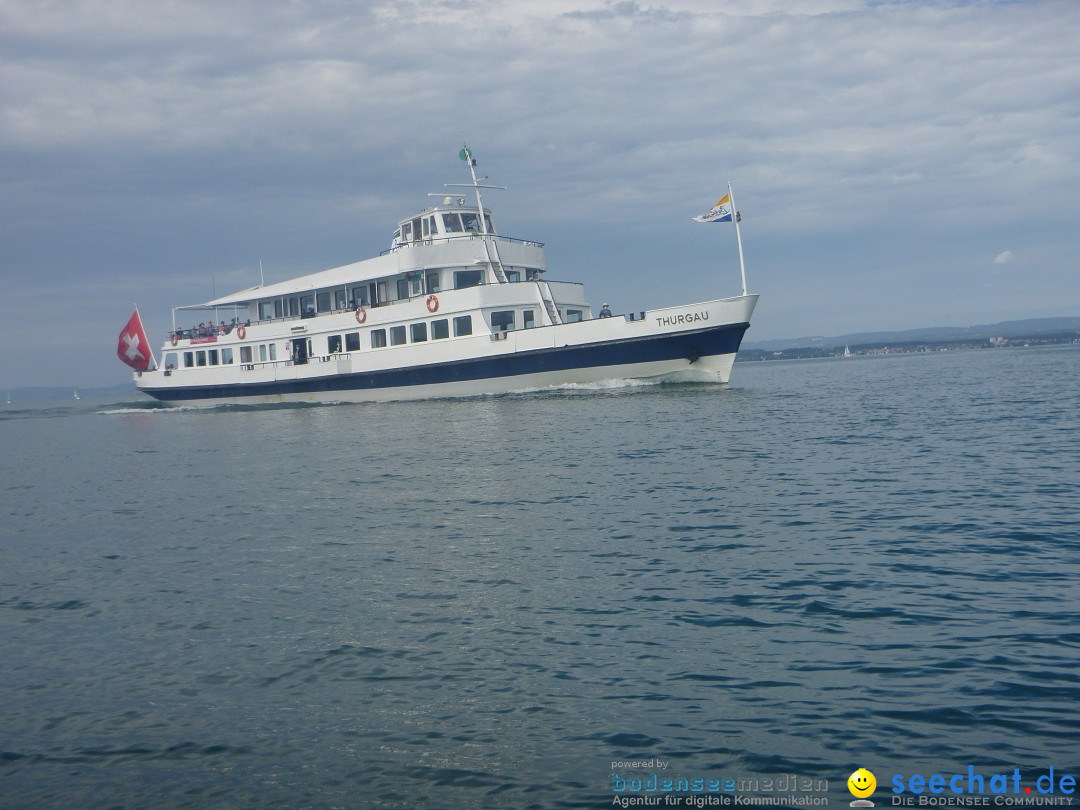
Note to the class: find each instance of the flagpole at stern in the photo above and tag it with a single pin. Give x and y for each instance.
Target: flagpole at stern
(149, 345)
(738, 238)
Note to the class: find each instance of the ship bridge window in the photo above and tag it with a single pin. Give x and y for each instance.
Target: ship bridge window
(468, 278)
(502, 321)
(466, 222)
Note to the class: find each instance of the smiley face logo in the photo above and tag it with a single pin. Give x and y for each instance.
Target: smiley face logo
(861, 783)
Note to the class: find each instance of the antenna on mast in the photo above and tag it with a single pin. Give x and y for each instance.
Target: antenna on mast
(466, 155)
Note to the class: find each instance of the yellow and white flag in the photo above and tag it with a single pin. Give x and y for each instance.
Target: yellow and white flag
(721, 212)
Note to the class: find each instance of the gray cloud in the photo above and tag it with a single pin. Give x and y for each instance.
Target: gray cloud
(875, 149)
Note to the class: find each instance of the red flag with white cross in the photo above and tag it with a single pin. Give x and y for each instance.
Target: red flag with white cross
(133, 347)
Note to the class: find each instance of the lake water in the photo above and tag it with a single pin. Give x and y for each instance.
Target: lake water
(516, 601)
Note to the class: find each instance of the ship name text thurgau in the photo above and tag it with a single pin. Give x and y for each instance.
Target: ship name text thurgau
(675, 320)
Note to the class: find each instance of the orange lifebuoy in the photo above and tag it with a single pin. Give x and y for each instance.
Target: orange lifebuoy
(432, 303)
(241, 332)
(361, 314)
(175, 338)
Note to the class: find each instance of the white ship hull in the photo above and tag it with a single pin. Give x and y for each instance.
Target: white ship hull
(451, 309)
(696, 342)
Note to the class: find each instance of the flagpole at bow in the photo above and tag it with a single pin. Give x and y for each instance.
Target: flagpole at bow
(738, 238)
(725, 211)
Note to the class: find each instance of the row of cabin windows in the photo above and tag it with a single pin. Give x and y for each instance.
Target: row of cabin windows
(501, 321)
(400, 335)
(310, 304)
(506, 320)
(267, 352)
(207, 357)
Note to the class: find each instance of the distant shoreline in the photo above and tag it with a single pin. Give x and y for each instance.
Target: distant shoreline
(905, 347)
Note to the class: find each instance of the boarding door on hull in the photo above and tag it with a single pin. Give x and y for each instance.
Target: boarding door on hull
(299, 351)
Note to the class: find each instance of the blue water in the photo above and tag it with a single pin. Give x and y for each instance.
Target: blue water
(488, 602)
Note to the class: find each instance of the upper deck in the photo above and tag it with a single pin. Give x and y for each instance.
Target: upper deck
(446, 236)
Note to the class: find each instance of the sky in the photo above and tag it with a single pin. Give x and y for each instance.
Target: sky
(897, 164)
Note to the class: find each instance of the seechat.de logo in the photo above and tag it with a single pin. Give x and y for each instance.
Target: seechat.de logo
(862, 784)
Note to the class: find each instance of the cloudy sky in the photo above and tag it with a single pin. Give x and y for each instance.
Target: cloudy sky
(897, 164)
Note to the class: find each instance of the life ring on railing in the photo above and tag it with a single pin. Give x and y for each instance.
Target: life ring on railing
(361, 314)
(432, 303)
(241, 332)
(175, 338)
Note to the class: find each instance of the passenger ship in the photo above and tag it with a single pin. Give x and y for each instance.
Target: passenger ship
(451, 309)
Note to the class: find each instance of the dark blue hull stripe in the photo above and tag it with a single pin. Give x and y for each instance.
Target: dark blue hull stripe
(687, 345)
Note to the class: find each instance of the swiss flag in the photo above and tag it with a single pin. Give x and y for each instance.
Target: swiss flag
(133, 347)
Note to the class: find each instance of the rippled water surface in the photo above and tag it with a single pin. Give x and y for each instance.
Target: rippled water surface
(487, 602)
